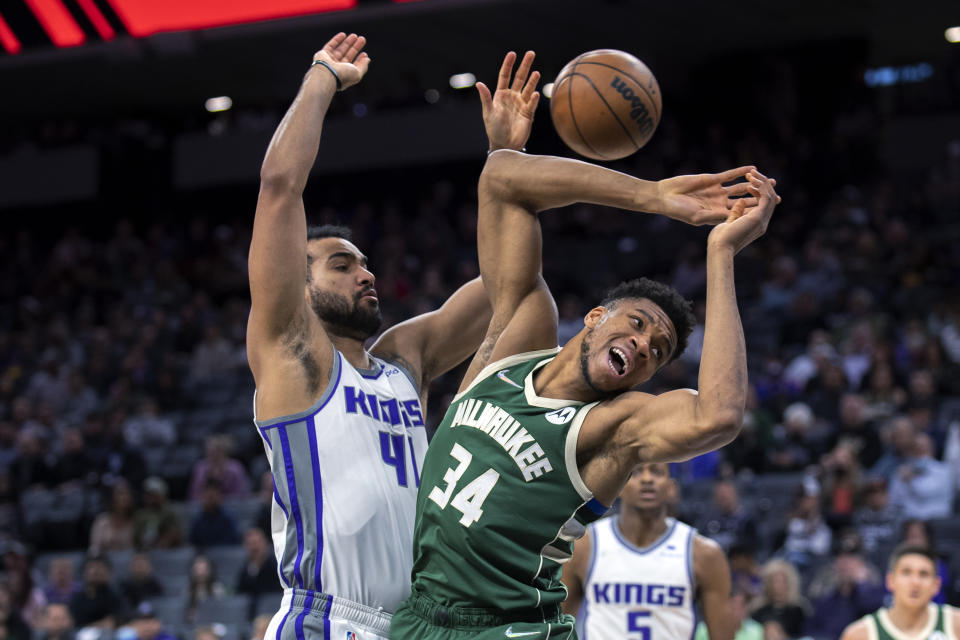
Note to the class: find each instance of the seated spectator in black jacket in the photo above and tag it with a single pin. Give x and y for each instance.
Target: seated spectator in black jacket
(843, 591)
(877, 521)
(97, 604)
(213, 526)
(726, 521)
(141, 585)
(12, 626)
(56, 623)
(781, 602)
(259, 574)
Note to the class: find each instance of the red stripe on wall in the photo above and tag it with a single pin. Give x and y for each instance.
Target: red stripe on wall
(57, 22)
(7, 38)
(144, 17)
(96, 17)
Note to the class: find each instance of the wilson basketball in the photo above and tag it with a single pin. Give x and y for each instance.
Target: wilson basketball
(605, 104)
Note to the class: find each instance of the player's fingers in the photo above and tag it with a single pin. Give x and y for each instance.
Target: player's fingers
(732, 174)
(738, 189)
(503, 80)
(362, 63)
(486, 100)
(531, 85)
(355, 49)
(334, 42)
(737, 210)
(532, 104)
(748, 203)
(340, 52)
(523, 71)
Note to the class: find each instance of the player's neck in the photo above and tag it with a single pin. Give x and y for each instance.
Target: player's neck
(353, 350)
(561, 378)
(642, 527)
(909, 619)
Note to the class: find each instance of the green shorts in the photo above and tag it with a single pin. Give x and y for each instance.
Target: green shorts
(421, 618)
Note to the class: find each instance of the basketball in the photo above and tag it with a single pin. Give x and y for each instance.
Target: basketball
(605, 104)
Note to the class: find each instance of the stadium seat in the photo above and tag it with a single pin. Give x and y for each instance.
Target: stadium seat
(228, 610)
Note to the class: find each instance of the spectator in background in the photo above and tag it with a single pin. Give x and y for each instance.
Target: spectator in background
(147, 428)
(82, 399)
(112, 530)
(259, 573)
(203, 584)
(73, 464)
(781, 602)
(884, 398)
(26, 596)
(841, 481)
(898, 445)
(56, 623)
(62, 583)
(207, 632)
(32, 468)
(793, 445)
(846, 590)
(260, 624)
(877, 521)
(213, 526)
(97, 604)
(212, 357)
(265, 513)
(807, 537)
(744, 574)
(12, 626)
(156, 525)
(229, 473)
(726, 521)
(146, 625)
(747, 628)
(923, 487)
(140, 585)
(855, 426)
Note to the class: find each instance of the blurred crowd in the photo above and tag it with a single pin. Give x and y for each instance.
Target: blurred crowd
(132, 482)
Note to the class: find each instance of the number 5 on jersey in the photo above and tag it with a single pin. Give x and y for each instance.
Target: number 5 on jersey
(469, 500)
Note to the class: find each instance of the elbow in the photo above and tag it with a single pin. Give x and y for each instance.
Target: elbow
(724, 427)
(496, 178)
(277, 182)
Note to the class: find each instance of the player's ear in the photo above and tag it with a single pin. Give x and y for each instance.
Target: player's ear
(593, 316)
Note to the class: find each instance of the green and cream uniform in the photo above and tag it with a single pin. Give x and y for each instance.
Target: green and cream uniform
(939, 625)
(500, 503)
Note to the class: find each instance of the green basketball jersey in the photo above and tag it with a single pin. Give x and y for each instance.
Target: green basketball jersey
(939, 626)
(501, 500)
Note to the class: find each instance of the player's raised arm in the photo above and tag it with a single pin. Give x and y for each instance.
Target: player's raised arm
(515, 187)
(278, 246)
(431, 344)
(681, 424)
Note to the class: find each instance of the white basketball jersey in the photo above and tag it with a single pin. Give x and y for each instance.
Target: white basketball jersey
(638, 594)
(345, 475)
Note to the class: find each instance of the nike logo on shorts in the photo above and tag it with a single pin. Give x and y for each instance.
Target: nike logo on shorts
(510, 633)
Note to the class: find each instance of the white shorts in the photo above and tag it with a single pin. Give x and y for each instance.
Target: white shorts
(311, 615)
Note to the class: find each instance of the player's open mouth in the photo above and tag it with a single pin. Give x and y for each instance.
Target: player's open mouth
(617, 361)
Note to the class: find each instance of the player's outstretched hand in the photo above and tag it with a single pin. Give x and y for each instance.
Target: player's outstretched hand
(346, 55)
(702, 199)
(748, 218)
(508, 113)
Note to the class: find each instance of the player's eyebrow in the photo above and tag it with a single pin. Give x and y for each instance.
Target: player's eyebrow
(348, 255)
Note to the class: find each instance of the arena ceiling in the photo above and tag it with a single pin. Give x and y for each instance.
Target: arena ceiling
(425, 42)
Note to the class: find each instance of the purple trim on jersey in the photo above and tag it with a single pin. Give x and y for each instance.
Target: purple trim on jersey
(276, 497)
(370, 376)
(615, 525)
(294, 505)
(298, 625)
(326, 618)
(317, 498)
(596, 506)
(693, 586)
(331, 390)
(413, 459)
(284, 621)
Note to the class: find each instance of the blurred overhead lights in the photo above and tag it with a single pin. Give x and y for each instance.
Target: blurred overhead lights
(432, 96)
(548, 90)
(952, 34)
(220, 103)
(463, 80)
(888, 76)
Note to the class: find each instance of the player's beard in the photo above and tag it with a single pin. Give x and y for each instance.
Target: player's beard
(345, 319)
(585, 346)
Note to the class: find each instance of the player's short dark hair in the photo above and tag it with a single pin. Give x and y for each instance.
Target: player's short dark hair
(678, 309)
(907, 549)
(317, 231)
